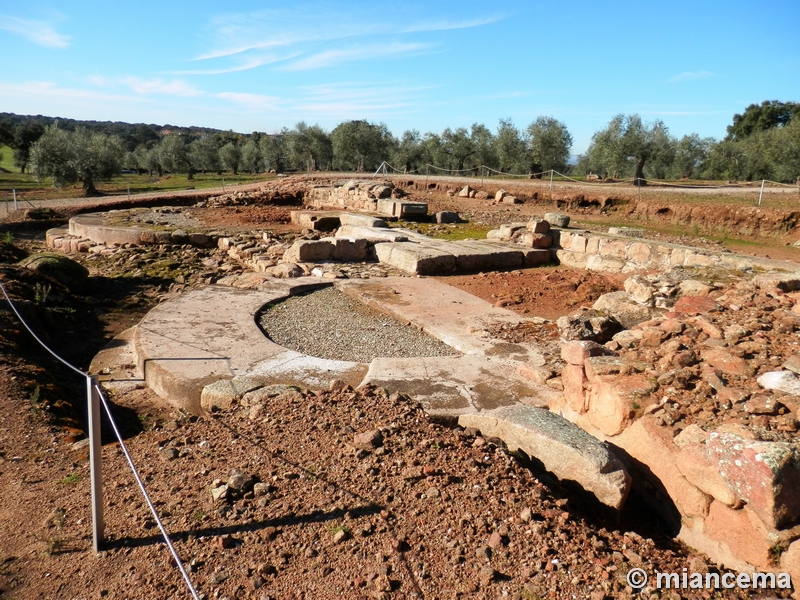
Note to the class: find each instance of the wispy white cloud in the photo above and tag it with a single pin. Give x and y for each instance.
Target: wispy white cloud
(311, 29)
(328, 58)
(38, 32)
(253, 101)
(175, 87)
(242, 65)
(53, 91)
(446, 25)
(690, 76)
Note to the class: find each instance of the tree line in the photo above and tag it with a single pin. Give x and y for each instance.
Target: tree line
(761, 143)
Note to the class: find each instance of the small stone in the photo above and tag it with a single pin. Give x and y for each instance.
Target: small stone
(168, 453)
(487, 575)
(368, 440)
(239, 482)
(219, 493)
(432, 492)
(495, 540)
(526, 515)
(340, 536)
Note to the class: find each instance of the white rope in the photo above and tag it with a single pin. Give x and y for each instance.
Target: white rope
(146, 495)
(119, 438)
(41, 343)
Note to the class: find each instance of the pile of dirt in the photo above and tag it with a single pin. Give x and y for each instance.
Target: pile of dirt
(548, 292)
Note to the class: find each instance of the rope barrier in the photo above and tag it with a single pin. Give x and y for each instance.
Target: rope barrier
(94, 466)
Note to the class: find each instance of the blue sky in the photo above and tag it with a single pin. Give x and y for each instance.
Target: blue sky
(415, 65)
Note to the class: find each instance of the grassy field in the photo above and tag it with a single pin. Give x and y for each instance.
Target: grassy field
(7, 160)
(29, 188)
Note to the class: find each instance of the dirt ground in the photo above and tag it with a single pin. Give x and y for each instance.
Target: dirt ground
(311, 510)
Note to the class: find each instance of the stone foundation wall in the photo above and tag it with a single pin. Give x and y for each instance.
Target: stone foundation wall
(352, 195)
(625, 254)
(735, 499)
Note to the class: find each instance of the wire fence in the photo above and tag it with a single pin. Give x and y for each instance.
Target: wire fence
(486, 171)
(95, 399)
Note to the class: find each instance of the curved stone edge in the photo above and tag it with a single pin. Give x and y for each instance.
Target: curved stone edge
(565, 449)
(177, 364)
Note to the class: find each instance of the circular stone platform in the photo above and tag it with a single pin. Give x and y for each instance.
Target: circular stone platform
(205, 348)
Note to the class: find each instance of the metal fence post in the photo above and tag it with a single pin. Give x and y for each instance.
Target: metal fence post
(15, 199)
(95, 466)
(761, 193)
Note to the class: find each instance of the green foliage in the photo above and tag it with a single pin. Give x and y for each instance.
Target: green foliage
(204, 154)
(510, 149)
(761, 117)
(71, 479)
(80, 155)
(173, 155)
(252, 161)
(36, 396)
(360, 146)
(273, 151)
(230, 155)
(549, 142)
(627, 144)
(40, 292)
(308, 147)
(8, 238)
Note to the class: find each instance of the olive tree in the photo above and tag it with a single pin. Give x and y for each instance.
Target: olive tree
(360, 145)
(628, 143)
(548, 145)
(71, 156)
(509, 147)
(309, 146)
(231, 157)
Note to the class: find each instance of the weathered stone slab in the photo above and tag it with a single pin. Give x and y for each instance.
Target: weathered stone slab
(416, 258)
(564, 448)
(223, 393)
(503, 256)
(371, 234)
(695, 465)
(315, 220)
(788, 282)
(350, 249)
(399, 209)
(615, 399)
(626, 231)
(766, 475)
(363, 220)
(309, 251)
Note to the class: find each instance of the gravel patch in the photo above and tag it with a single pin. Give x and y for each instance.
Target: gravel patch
(329, 324)
(169, 216)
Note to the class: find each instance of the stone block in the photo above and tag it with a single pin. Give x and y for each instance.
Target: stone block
(309, 251)
(651, 444)
(604, 264)
(538, 226)
(695, 259)
(350, 249)
(507, 230)
(574, 378)
(416, 258)
(447, 216)
(615, 399)
(744, 538)
(639, 253)
(564, 448)
(577, 351)
(576, 260)
(640, 290)
(535, 240)
(695, 465)
(371, 234)
(225, 392)
(362, 220)
(785, 282)
(614, 249)
(509, 199)
(592, 245)
(537, 256)
(465, 192)
(577, 242)
(766, 475)
(557, 219)
(790, 562)
(499, 195)
(626, 231)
